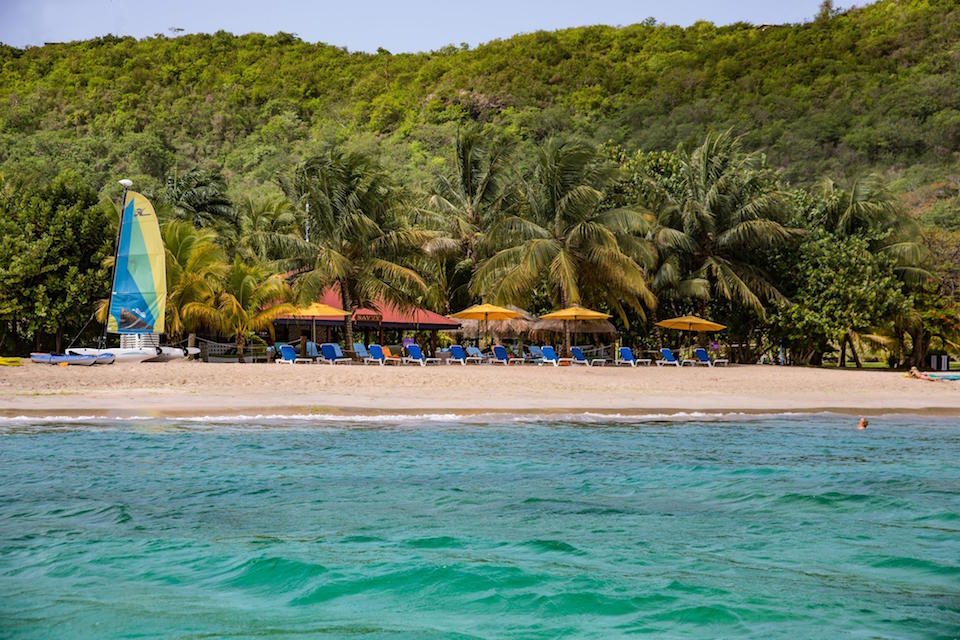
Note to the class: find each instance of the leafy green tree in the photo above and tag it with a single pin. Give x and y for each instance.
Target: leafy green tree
(843, 289)
(358, 239)
(248, 300)
(563, 238)
(54, 242)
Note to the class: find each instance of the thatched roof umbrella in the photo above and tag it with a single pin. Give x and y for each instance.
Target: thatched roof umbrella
(521, 325)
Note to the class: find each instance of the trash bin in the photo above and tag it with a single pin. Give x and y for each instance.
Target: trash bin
(939, 362)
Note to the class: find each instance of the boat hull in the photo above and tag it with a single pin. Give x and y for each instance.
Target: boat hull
(120, 356)
(169, 354)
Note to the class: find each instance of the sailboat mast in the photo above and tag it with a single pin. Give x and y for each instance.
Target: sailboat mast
(116, 254)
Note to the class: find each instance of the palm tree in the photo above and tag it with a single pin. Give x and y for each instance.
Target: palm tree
(194, 268)
(563, 239)
(867, 207)
(462, 206)
(358, 240)
(722, 211)
(248, 301)
(261, 220)
(200, 197)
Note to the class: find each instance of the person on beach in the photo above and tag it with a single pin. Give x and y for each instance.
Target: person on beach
(922, 375)
(862, 425)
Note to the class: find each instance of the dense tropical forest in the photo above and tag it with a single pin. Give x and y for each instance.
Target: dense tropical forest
(798, 183)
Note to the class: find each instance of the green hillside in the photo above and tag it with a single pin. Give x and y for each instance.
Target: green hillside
(877, 87)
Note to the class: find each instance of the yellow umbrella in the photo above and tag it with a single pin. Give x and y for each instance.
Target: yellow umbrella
(576, 312)
(486, 313)
(573, 313)
(690, 323)
(318, 310)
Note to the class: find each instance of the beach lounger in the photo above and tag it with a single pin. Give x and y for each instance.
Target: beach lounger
(381, 356)
(288, 355)
(360, 351)
(500, 356)
(474, 352)
(550, 357)
(536, 354)
(668, 358)
(340, 354)
(416, 356)
(330, 353)
(625, 356)
(459, 356)
(579, 358)
(703, 358)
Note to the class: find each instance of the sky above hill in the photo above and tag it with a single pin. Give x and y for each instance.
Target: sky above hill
(412, 25)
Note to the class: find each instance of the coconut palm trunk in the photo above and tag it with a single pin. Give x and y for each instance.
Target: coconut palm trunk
(347, 300)
(241, 344)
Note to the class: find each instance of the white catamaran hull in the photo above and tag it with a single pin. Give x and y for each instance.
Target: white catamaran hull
(121, 356)
(169, 354)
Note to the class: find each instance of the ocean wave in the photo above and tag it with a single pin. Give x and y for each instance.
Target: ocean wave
(294, 420)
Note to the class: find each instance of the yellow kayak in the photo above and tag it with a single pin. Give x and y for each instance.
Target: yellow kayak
(10, 362)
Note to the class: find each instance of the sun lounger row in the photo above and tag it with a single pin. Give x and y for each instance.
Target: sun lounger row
(331, 353)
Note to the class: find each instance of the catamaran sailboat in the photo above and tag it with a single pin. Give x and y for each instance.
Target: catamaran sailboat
(139, 293)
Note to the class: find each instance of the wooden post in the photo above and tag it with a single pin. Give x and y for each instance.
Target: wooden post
(433, 343)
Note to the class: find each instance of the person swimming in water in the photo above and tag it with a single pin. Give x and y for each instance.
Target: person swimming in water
(862, 424)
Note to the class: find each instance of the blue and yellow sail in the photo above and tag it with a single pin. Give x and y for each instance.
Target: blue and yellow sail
(139, 297)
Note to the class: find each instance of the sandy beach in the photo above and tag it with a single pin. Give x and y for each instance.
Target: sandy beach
(194, 388)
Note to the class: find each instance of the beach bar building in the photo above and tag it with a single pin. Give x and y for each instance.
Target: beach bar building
(383, 322)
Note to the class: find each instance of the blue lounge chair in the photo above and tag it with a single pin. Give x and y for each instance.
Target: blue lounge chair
(536, 353)
(474, 352)
(579, 358)
(288, 355)
(416, 356)
(500, 356)
(668, 358)
(330, 353)
(625, 356)
(703, 358)
(550, 357)
(340, 354)
(360, 351)
(459, 356)
(312, 352)
(377, 356)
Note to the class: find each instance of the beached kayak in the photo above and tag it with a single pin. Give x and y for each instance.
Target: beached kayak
(71, 359)
(121, 356)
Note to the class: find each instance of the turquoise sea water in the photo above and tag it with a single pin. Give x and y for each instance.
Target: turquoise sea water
(776, 527)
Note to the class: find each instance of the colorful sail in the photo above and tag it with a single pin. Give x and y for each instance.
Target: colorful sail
(139, 296)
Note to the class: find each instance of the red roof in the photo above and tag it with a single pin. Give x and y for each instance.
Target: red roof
(387, 313)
